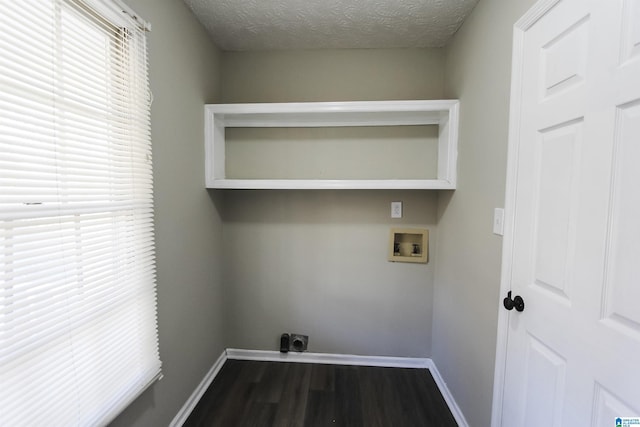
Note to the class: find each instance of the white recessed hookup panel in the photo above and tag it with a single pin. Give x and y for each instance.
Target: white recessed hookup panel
(443, 113)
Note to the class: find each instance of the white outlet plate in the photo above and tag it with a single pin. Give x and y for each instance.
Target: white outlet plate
(498, 221)
(396, 209)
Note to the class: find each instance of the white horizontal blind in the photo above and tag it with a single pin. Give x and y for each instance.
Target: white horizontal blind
(78, 339)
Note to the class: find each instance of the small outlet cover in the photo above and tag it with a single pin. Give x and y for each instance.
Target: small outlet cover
(396, 209)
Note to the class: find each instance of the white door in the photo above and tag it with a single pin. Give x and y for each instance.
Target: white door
(572, 242)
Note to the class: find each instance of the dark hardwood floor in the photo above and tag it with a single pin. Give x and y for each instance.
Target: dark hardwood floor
(247, 393)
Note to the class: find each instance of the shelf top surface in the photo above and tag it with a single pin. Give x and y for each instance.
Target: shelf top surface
(342, 107)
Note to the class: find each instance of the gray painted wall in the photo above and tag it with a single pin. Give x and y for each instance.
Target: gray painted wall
(332, 75)
(315, 262)
(184, 74)
(467, 277)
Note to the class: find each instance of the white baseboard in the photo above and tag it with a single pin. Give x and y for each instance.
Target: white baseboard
(327, 358)
(324, 358)
(448, 397)
(197, 394)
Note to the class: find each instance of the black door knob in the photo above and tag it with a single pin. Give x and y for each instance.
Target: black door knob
(517, 302)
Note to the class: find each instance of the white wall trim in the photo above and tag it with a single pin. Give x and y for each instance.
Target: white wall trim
(197, 394)
(448, 397)
(328, 358)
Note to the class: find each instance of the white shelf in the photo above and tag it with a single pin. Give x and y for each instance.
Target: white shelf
(443, 113)
(331, 184)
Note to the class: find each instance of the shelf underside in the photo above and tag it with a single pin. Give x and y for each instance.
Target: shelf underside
(327, 184)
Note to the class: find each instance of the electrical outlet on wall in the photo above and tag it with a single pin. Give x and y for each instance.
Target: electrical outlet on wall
(396, 209)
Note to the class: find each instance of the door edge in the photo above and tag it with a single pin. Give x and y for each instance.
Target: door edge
(537, 11)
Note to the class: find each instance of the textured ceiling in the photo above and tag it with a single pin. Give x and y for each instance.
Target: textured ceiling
(317, 24)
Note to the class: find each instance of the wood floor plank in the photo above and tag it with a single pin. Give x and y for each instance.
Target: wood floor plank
(320, 409)
(211, 401)
(257, 414)
(266, 394)
(293, 402)
(347, 400)
(412, 403)
(394, 398)
(251, 372)
(234, 405)
(322, 377)
(371, 383)
(269, 388)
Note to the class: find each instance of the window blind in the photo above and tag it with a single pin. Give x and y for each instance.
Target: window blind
(78, 336)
